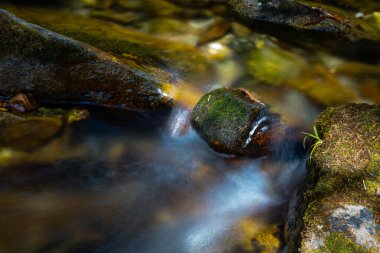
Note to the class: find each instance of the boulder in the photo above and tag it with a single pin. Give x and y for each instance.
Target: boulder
(337, 208)
(311, 24)
(56, 69)
(233, 121)
(126, 44)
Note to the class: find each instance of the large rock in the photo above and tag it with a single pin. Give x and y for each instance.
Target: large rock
(233, 121)
(310, 24)
(181, 59)
(55, 68)
(337, 208)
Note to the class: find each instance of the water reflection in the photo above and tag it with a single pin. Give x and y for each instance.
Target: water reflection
(139, 187)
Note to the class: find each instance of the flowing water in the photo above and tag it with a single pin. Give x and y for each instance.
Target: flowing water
(131, 185)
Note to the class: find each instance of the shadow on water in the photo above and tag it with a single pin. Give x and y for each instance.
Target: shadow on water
(140, 187)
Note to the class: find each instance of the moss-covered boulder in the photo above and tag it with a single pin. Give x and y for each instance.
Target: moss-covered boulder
(233, 121)
(337, 209)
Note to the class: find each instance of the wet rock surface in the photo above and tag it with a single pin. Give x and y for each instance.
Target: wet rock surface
(305, 21)
(28, 131)
(54, 68)
(233, 121)
(178, 58)
(336, 210)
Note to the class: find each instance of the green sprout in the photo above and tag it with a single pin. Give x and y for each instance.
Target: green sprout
(317, 141)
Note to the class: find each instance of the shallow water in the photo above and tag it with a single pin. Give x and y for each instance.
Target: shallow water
(140, 186)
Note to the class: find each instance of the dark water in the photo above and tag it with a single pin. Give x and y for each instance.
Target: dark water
(133, 185)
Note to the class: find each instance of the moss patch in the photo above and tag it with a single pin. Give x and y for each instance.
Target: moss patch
(339, 243)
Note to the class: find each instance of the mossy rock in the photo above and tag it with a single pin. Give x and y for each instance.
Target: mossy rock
(56, 69)
(337, 208)
(351, 139)
(232, 121)
(125, 44)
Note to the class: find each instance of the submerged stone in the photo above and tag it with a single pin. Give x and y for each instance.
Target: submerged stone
(233, 121)
(270, 64)
(336, 209)
(28, 131)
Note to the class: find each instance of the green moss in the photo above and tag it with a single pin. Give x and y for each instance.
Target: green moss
(344, 171)
(351, 139)
(339, 243)
(224, 118)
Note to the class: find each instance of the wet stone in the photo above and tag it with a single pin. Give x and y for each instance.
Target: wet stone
(27, 132)
(320, 26)
(54, 68)
(22, 103)
(233, 121)
(30, 130)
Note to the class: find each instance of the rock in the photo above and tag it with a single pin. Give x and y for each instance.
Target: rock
(270, 64)
(235, 122)
(257, 236)
(22, 103)
(312, 25)
(273, 65)
(180, 58)
(336, 209)
(120, 18)
(215, 31)
(54, 68)
(28, 131)
(77, 114)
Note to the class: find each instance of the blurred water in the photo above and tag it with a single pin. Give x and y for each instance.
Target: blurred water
(140, 187)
